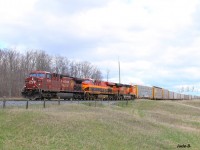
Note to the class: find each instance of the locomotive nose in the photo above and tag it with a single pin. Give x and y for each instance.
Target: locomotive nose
(30, 80)
(30, 83)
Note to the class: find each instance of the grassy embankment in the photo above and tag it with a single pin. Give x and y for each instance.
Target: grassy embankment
(140, 125)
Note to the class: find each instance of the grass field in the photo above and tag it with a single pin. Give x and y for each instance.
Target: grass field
(142, 124)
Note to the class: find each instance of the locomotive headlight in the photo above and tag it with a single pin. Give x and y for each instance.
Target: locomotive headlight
(39, 84)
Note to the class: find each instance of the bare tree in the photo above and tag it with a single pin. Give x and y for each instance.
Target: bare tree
(43, 61)
(10, 69)
(86, 69)
(2, 71)
(72, 69)
(96, 74)
(61, 65)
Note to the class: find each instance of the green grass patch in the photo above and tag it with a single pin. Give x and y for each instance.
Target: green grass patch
(94, 104)
(141, 124)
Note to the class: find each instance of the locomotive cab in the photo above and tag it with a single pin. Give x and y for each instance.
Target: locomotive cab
(34, 80)
(35, 83)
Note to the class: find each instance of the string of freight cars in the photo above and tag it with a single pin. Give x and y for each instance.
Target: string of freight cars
(46, 85)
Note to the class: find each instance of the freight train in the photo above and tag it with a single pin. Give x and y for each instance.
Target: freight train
(46, 85)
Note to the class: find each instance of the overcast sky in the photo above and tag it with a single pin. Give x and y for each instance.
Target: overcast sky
(157, 41)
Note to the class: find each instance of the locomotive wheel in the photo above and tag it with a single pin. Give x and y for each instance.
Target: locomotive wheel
(93, 97)
(75, 96)
(87, 96)
(115, 97)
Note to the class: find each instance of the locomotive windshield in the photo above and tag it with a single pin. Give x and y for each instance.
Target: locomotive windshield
(39, 75)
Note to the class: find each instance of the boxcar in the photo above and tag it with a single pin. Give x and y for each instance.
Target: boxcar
(178, 96)
(175, 95)
(165, 94)
(143, 92)
(171, 95)
(157, 93)
(182, 96)
(186, 97)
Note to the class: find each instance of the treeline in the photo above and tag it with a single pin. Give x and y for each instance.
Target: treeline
(16, 66)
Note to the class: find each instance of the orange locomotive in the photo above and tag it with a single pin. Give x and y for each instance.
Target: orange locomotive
(107, 90)
(43, 84)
